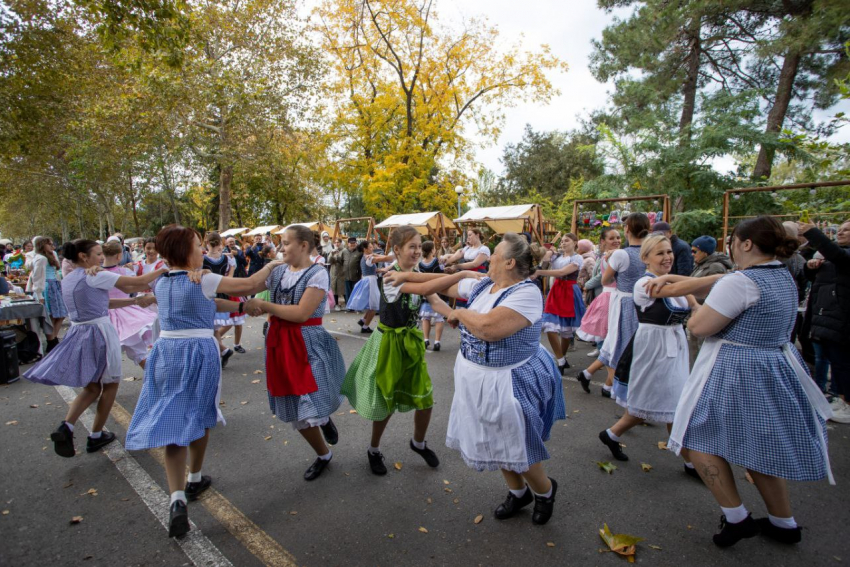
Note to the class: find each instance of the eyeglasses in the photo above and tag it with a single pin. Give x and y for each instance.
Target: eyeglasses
(694, 250)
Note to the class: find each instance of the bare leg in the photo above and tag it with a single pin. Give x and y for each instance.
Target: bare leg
(555, 343)
(197, 450)
(378, 428)
(421, 419)
(717, 476)
(104, 406)
(82, 402)
(313, 436)
(57, 326)
(175, 467)
(367, 318)
(426, 328)
(609, 381)
(684, 453)
(626, 422)
(774, 492)
(513, 480)
(142, 363)
(439, 332)
(596, 365)
(536, 478)
(237, 331)
(565, 345)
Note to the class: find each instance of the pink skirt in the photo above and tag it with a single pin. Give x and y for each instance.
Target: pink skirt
(594, 324)
(132, 320)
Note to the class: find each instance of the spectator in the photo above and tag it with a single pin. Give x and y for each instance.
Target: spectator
(253, 253)
(235, 251)
(351, 266)
(585, 250)
(126, 257)
(707, 261)
(829, 311)
(337, 275)
(683, 261)
(326, 246)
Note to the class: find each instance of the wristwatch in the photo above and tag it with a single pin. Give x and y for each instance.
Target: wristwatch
(241, 308)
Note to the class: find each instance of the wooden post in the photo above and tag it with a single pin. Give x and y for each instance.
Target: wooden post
(725, 218)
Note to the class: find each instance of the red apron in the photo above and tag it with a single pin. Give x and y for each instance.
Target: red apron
(288, 371)
(561, 300)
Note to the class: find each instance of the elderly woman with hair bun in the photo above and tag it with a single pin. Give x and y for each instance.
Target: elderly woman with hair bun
(508, 390)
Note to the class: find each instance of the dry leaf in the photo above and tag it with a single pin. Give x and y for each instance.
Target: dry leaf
(449, 490)
(423, 530)
(346, 474)
(622, 544)
(576, 411)
(221, 403)
(656, 547)
(255, 381)
(125, 500)
(391, 536)
(456, 500)
(286, 442)
(662, 445)
(13, 422)
(293, 513)
(749, 478)
(550, 544)
(645, 467)
(5, 512)
(91, 491)
(243, 403)
(478, 519)
(430, 501)
(623, 445)
(446, 482)
(606, 466)
(268, 437)
(49, 404)
(352, 411)
(397, 466)
(69, 484)
(76, 519)
(258, 371)
(34, 406)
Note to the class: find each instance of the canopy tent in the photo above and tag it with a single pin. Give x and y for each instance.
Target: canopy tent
(317, 226)
(5, 241)
(341, 226)
(234, 232)
(261, 230)
(434, 223)
(513, 218)
(134, 239)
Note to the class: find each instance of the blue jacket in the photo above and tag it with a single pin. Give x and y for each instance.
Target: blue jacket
(683, 262)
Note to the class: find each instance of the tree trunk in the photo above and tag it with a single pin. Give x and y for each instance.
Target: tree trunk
(225, 180)
(784, 92)
(689, 96)
(133, 206)
(169, 188)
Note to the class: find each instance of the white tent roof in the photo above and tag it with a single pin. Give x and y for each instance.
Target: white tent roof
(496, 213)
(264, 229)
(234, 232)
(315, 225)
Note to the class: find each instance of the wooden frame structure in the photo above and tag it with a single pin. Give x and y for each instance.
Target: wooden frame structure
(315, 226)
(664, 199)
(532, 222)
(433, 224)
(370, 230)
(774, 188)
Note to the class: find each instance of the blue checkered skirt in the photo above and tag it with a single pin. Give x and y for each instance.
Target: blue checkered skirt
(754, 413)
(328, 368)
(53, 301)
(622, 326)
(178, 400)
(365, 295)
(537, 387)
(566, 325)
(79, 359)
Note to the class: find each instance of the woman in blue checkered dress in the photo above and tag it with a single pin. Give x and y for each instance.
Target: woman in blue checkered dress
(749, 400)
(508, 390)
(178, 404)
(304, 366)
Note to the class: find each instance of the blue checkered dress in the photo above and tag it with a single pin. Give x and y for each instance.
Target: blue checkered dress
(627, 324)
(536, 384)
(325, 358)
(53, 301)
(178, 400)
(753, 411)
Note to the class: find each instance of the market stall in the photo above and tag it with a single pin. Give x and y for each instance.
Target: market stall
(513, 218)
(263, 230)
(317, 226)
(363, 227)
(591, 215)
(234, 232)
(433, 224)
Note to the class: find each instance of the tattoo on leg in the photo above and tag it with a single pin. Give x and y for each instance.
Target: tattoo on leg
(710, 474)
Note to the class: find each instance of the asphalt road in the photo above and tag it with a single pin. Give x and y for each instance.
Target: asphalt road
(263, 512)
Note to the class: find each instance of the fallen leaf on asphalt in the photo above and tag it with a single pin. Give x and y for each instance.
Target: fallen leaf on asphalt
(576, 411)
(606, 466)
(623, 445)
(352, 411)
(341, 413)
(267, 437)
(293, 513)
(243, 403)
(125, 500)
(49, 404)
(391, 536)
(662, 445)
(259, 348)
(446, 482)
(92, 491)
(550, 544)
(645, 467)
(397, 466)
(255, 381)
(286, 442)
(221, 403)
(478, 519)
(430, 501)
(76, 519)
(690, 527)
(449, 490)
(87, 557)
(69, 484)
(346, 474)
(13, 422)
(456, 500)
(333, 320)
(130, 379)
(5, 512)
(423, 530)
(658, 547)
(258, 371)
(749, 478)
(622, 544)
(34, 406)
(244, 375)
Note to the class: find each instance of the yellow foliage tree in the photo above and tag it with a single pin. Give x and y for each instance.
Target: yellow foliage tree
(403, 91)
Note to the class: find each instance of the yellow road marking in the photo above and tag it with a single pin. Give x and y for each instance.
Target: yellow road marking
(249, 534)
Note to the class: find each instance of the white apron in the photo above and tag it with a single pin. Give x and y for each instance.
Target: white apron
(113, 346)
(486, 423)
(199, 334)
(614, 310)
(699, 376)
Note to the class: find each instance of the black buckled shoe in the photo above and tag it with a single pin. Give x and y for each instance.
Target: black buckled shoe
(730, 534)
(366, 330)
(316, 469)
(584, 381)
(95, 445)
(605, 393)
(513, 504)
(51, 344)
(616, 450)
(376, 463)
(179, 521)
(563, 367)
(225, 356)
(63, 441)
(194, 489)
(436, 347)
(427, 454)
(543, 507)
(330, 432)
(787, 536)
(240, 349)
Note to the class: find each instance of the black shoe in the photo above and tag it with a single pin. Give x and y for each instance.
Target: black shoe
(782, 535)
(239, 349)
(95, 445)
(436, 347)
(543, 507)
(616, 450)
(179, 523)
(563, 367)
(376, 463)
(51, 344)
(690, 471)
(584, 381)
(361, 322)
(316, 468)
(605, 393)
(513, 504)
(265, 328)
(427, 454)
(366, 330)
(194, 489)
(330, 432)
(730, 534)
(63, 441)
(225, 356)
(427, 344)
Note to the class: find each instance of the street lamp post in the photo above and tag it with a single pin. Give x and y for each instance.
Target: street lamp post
(459, 191)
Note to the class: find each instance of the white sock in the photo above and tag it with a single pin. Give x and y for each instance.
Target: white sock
(237, 346)
(562, 360)
(374, 450)
(787, 523)
(436, 342)
(519, 493)
(606, 387)
(548, 494)
(418, 445)
(95, 434)
(70, 426)
(328, 456)
(586, 374)
(611, 435)
(690, 465)
(178, 495)
(194, 477)
(735, 515)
